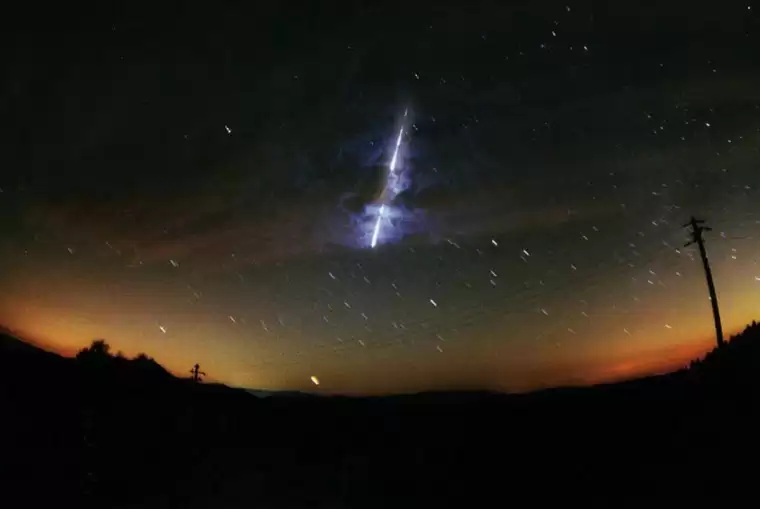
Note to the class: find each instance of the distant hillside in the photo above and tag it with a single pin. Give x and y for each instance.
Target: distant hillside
(39, 396)
(79, 426)
(118, 432)
(259, 393)
(27, 368)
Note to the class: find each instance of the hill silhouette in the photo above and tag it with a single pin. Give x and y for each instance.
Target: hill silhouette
(86, 428)
(102, 430)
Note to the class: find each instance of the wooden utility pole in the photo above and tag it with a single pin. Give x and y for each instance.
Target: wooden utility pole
(197, 373)
(697, 227)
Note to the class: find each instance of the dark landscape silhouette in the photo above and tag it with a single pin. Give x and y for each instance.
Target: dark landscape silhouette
(101, 430)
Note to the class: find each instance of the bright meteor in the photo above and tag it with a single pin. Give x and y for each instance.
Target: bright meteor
(391, 178)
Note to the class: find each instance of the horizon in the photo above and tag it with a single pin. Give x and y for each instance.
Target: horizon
(664, 367)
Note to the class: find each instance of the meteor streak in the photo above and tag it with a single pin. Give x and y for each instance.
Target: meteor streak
(391, 175)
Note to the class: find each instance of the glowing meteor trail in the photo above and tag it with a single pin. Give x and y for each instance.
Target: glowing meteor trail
(391, 175)
(377, 225)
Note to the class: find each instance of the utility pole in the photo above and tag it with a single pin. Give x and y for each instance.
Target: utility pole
(197, 373)
(697, 227)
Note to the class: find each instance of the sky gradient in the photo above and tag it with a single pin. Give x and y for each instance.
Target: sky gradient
(199, 185)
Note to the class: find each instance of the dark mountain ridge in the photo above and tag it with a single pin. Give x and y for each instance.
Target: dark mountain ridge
(107, 431)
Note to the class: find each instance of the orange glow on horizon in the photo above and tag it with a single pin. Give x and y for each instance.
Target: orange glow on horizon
(618, 368)
(58, 315)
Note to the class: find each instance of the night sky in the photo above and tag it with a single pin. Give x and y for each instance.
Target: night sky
(200, 183)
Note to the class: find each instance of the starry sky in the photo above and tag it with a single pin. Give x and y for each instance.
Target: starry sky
(199, 182)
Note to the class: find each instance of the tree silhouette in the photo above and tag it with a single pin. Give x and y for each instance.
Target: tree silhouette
(97, 354)
(98, 347)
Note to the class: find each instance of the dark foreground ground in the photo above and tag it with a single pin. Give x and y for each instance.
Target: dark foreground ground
(119, 433)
